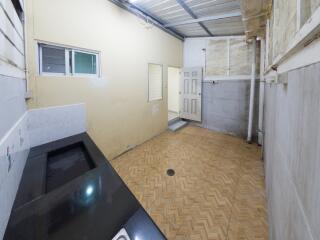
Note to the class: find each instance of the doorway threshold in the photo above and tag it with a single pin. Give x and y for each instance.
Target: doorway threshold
(175, 126)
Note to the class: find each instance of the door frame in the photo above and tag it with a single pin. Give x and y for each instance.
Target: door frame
(180, 69)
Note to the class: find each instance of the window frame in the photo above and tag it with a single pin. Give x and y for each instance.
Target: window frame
(69, 68)
(84, 74)
(162, 69)
(41, 72)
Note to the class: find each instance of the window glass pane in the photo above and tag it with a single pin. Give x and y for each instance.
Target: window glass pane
(53, 60)
(155, 82)
(85, 63)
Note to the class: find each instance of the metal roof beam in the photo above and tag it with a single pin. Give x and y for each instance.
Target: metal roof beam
(188, 10)
(205, 19)
(149, 18)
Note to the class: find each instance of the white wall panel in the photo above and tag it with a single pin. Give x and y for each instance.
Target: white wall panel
(11, 12)
(8, 29)
(7, 69)
(292, 137)
(10, 53)
(193, 54)
(12, 61)
(12, 104)
(16, 143)
(13, 139)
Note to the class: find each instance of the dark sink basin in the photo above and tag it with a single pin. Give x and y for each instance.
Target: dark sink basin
(69, 191)
(51, 166)
(65, 164)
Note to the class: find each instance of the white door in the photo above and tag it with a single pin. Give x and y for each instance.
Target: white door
(190, 94)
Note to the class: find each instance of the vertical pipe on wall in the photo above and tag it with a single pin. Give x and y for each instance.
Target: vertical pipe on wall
(261, 91)
(25, 48)
(228, 71)
(252, 90)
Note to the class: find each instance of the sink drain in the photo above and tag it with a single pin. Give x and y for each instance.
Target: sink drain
(170, 172)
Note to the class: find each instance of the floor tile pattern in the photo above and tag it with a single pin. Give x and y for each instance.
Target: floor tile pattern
(217, 191)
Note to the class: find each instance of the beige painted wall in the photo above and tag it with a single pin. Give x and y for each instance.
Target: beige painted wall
(118, 111)
(173, 89)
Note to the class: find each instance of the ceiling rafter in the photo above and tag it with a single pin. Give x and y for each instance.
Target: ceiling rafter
(205, 19)
(191, 13)
(189, 18)
(147, 16)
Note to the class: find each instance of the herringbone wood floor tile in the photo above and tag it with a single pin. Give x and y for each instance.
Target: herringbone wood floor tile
(216, 193)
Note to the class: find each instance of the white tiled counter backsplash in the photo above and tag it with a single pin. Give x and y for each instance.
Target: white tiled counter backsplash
(35, 127)
(53, 123)
(14, 150)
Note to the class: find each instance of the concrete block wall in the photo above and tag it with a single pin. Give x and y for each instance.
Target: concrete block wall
(292, 155)
(226, 107)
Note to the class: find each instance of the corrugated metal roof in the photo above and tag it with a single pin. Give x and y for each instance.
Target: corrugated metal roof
(204, 8)
(167, 11)
(171, 12)
(191, 18)
(191, 30)
(230, 26)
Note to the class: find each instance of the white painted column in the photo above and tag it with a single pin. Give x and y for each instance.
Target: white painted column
(261, 90)
(252, 91)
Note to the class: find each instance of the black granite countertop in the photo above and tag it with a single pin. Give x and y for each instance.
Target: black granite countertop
(94, 206)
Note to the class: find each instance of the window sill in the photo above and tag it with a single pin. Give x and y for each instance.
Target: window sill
(69, 75)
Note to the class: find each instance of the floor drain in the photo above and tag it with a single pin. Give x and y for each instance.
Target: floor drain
(170, 172)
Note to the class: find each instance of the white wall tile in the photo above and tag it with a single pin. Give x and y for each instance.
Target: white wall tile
(12, 103)
(53, 123)
(34, 127)
(17, 141)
